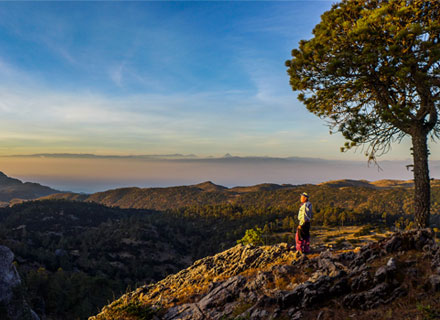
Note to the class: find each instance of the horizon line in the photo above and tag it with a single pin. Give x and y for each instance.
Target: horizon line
(180, 156)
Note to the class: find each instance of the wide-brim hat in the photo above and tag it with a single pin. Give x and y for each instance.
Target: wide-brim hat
(305, 194)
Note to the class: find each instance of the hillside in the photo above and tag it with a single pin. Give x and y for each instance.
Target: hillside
(11, 188)
(390, 196)
(397, 277)
(87, 248)
(74, 257)
(379, 184)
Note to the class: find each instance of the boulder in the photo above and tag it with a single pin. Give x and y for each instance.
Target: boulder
(13, 306)
(434, 282)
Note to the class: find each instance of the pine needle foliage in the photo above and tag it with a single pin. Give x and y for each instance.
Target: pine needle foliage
(372, 70)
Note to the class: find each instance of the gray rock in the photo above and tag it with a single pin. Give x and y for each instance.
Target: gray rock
(353, 300)
(347, 256)
(371, 298)
(327, 255)
(265, 301)
(296, 315)
(259, 314)
(293, 298)
(339, 288)
(434, 282)
(391, 264)
(393, 244)
(9, 277)
(12, 301)
(378, 292)
(397, 293)
(361, 282)
(189, 311)
(259, 281)
(381, 274)
(223, 293)
(327, 265)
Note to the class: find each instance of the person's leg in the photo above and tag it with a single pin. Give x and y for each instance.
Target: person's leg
(306, 236)
(298, 240)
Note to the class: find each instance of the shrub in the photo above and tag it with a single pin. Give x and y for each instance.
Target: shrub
(253, 237)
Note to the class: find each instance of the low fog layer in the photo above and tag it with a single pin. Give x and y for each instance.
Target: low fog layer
(92, 174)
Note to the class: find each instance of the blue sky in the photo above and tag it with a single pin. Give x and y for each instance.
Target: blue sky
(204, 78)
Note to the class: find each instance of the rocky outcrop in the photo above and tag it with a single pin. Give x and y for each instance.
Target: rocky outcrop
(13, 306)
(271, 282)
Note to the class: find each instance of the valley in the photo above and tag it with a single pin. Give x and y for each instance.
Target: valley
(87, 250)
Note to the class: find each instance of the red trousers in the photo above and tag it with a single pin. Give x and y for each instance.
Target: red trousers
(302, 238)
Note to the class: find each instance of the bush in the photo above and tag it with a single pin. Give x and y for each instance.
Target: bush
(252, 237)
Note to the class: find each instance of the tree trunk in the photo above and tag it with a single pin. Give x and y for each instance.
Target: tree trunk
(422, 186)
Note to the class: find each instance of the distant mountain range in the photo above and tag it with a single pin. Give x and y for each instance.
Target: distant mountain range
(97, 173)
(11, 188)
(91, 156)
(13, 191)
(208, 193)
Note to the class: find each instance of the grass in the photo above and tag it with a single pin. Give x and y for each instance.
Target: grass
(130, 310)
(239, 309)
(329, 237)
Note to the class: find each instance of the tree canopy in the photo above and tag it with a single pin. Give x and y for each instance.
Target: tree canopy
(372, 70)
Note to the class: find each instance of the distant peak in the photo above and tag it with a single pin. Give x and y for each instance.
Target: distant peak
(228, 155)
(4, 179)
(210, 186)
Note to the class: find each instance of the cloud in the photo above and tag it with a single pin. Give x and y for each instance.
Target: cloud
(116, 74)
(183, 121)
(143, 78)
(36, 119)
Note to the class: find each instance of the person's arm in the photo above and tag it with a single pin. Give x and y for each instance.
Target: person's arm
(308, 212)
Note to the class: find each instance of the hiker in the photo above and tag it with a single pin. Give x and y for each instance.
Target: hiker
(305, 214)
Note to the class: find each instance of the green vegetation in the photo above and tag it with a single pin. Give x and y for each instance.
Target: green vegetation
(75, 257)
(371, 70)
(252, 237)
(133, 309)
(428, 312)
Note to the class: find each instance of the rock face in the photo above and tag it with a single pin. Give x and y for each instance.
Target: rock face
(12, 303)
(270, 282)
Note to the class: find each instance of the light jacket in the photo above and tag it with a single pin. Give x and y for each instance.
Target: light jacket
(305, 213)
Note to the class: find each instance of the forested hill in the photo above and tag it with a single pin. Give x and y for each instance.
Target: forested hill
(11, 188)
(75, 256)
(390, 196)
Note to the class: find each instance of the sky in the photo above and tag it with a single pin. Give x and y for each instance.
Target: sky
(155, 78)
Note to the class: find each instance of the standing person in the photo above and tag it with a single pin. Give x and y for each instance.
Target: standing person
(305, 215)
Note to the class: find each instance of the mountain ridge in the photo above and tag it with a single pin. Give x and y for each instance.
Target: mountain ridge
(209, 193)
(12, 188)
